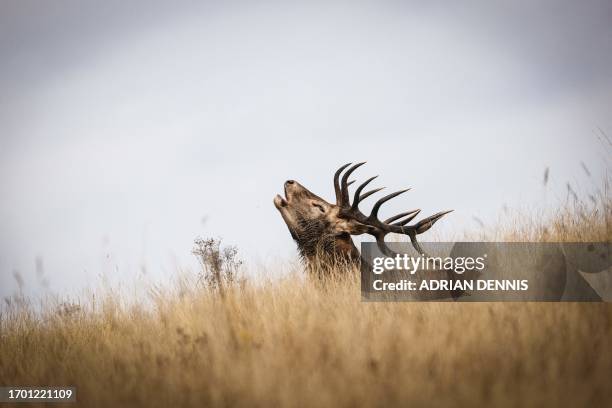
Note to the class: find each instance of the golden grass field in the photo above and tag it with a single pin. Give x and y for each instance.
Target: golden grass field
(295, 342)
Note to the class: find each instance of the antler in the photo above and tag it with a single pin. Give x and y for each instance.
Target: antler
(379, 229)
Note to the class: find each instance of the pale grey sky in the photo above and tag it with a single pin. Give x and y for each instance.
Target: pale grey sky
(124, 126)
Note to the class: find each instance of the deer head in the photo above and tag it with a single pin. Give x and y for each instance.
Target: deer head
(319, 227)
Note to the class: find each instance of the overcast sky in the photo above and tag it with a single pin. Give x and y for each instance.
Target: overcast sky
(126, 130)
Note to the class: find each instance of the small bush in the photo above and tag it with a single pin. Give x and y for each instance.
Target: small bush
(220, 265)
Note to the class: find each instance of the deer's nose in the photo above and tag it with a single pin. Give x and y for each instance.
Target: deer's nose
(289, 182)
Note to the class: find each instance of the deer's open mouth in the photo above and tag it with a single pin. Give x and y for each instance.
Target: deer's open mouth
(280, 202)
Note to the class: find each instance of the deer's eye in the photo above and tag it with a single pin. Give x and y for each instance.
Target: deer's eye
(319, 206)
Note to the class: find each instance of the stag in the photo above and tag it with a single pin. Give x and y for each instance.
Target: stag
(323, 229)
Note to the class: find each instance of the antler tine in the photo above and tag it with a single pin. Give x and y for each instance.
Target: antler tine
(337, 182)
(416, 244)
(401, 215)
(407, 220)
(418, 228)
(382, 245)
(369, 193)
(344, 184)
(357, 196)
(428, 222)
(374, 213)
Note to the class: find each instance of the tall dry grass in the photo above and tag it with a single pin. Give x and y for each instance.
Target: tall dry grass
(290, 343)
(573, 220)
(296, 342)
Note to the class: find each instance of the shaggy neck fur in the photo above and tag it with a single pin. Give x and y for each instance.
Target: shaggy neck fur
(316, 241)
